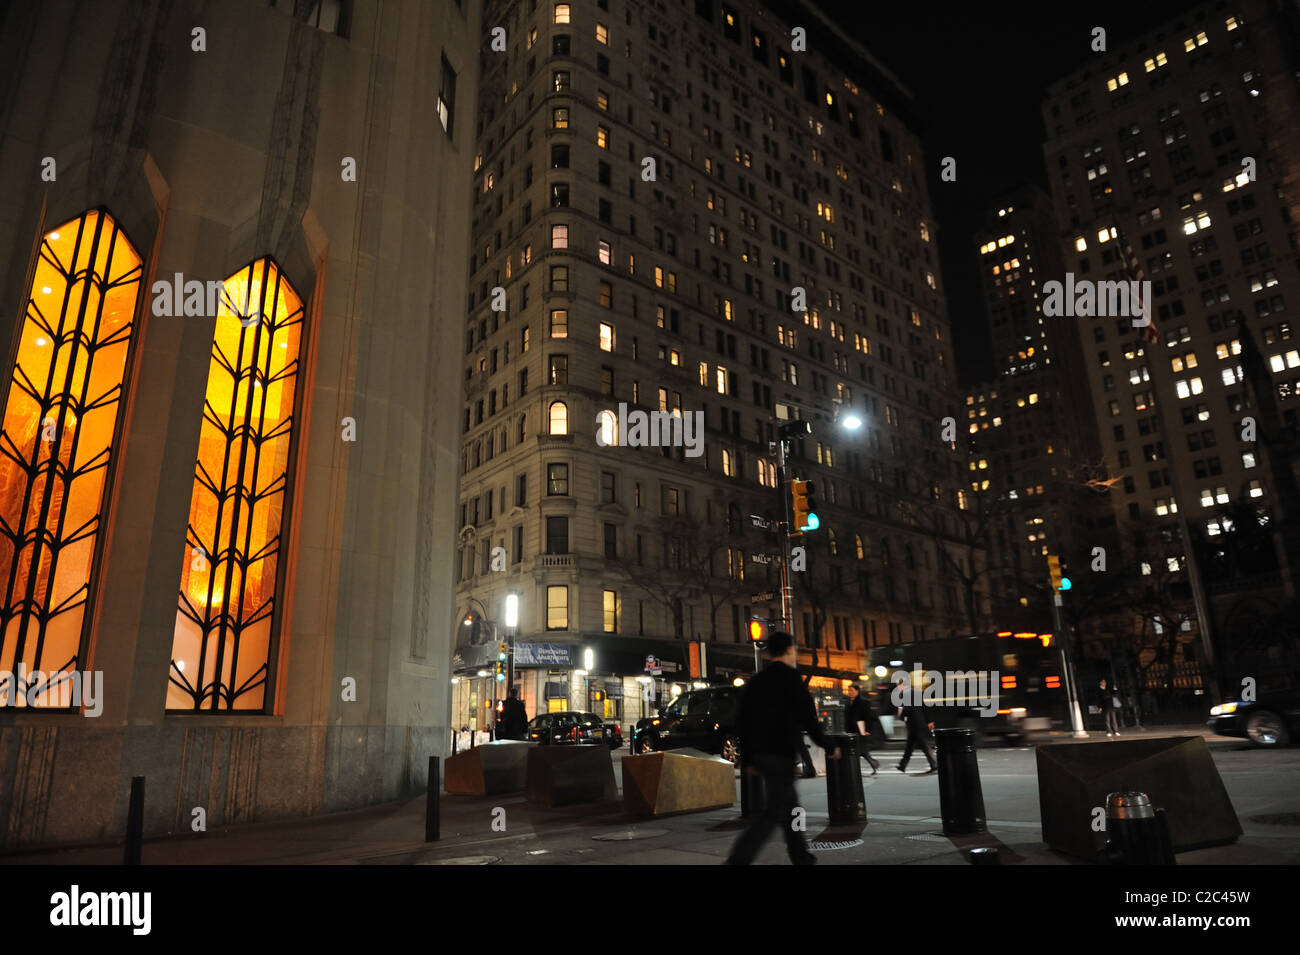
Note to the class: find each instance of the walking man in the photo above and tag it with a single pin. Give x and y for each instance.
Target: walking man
(919, 726)
(514, 717)
(1110, 705)
(862, 721)
(775, 710)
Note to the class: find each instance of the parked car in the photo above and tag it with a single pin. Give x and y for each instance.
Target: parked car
(1272, 720)
(574, 727)
(700, 719)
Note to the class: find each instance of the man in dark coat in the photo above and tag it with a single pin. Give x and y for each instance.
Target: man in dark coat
(919, 726)
(775, 710)
(862, 722)
(514, 719)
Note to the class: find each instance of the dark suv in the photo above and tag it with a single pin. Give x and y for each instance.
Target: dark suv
(700, 719)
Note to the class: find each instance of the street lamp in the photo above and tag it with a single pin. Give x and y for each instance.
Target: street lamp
(849, 420)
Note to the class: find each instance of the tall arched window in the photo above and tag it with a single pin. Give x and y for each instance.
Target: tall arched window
(857, 546)
(227, 617)
(607, 429)
(559, 418)
(523, 429)
(62, 415)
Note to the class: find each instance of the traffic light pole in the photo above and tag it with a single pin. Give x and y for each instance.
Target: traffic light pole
(787, 525)
(1071, 685)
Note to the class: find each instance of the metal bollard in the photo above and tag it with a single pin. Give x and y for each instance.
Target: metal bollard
(433, 801)
(134, 822)
(845, 801)
(961, 800)
(1136, 832)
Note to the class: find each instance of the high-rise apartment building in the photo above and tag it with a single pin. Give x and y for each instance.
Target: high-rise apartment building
(696, 209)
(1030, 430)
(1182, 144)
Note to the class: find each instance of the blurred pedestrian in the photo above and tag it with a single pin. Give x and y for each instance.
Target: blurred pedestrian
(862, 721)
(775, 709)
(919, 727)
(1110, 705)
(514, 718)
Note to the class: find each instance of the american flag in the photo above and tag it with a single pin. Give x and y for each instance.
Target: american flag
(1134, 273)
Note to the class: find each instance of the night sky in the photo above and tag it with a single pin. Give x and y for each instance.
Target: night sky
(978, 72)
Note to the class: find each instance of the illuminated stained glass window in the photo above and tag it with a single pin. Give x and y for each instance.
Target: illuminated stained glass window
(227, 614)
(62, 411)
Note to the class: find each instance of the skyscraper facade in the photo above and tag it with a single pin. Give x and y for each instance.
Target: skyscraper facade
(1173, 161)
(719, 213)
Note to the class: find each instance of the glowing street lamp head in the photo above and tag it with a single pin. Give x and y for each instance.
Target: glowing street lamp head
(851, 421)
(512, 610)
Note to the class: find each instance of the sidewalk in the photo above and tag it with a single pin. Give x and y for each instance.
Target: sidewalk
(903, 828)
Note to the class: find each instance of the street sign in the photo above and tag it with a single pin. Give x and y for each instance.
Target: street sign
(763, 558)
(760, 521)
(762, 598)
(652, 665)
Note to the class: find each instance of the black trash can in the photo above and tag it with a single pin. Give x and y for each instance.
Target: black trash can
(1136, 832)
(961, 800)
(845, 801)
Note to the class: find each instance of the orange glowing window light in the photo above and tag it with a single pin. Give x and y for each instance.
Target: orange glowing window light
(1053, 682)
(1026, 636)
(226, 615)
(1003, 712)
(1004, 633)
(1045, 639)
(61, 411)
(1008, 683)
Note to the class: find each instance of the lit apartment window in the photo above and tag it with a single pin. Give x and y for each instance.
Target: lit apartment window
(607, 426)
(559, 323)
(602, 34)
(659, 276)
(604, 253)
(447, 97)
(560, 117)
(559, 237)
(602, 137)
(557, 480)
(606, 336)
(1186, 388)
(560, 79)
(612, 611)
(562, 13)
(1255, 489)
(704, 374)
(1081, 244)
(559, 418)
(721, 380)
(1231, 23)
(557, 597)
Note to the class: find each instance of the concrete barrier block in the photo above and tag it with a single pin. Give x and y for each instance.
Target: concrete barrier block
(563, 775)
(498, 767)
(658, 784)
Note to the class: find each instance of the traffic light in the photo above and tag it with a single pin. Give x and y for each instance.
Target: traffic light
(1059, 582)
(501, 672)
(757, 631)
(503, 651)
(805, 506)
